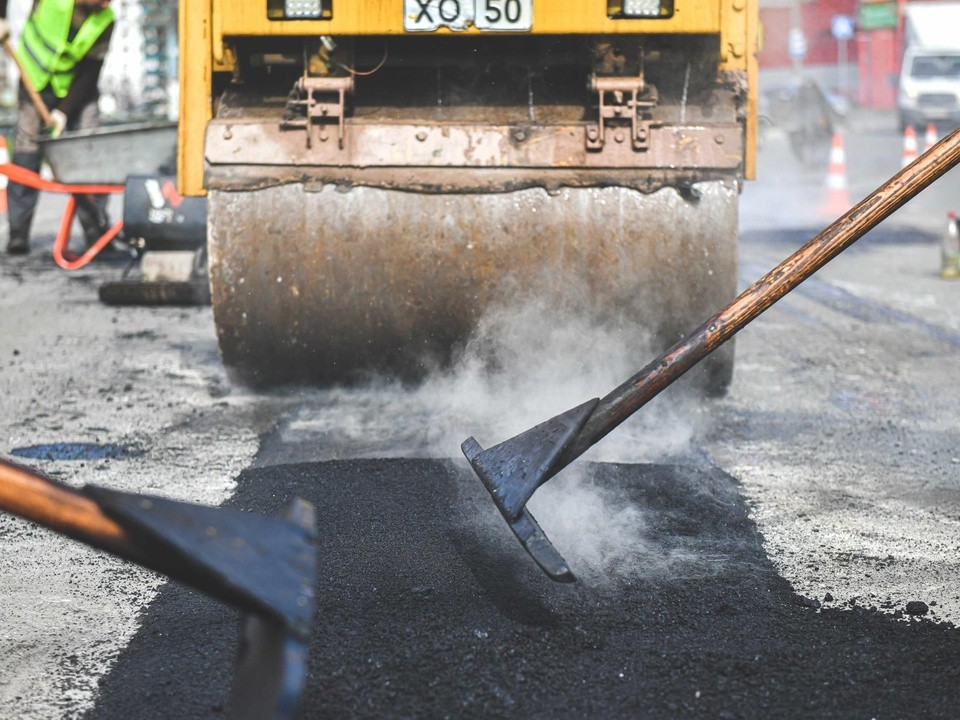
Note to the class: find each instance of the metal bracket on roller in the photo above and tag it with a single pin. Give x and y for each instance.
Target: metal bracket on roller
(323, 100)
(621, 100)
(514, 469)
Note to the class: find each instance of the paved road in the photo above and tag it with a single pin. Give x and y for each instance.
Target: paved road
(838, 440)
(429, 608)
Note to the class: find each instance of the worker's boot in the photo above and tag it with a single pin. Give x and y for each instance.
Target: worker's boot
(92, 213)
(21, 202)
(17, 245)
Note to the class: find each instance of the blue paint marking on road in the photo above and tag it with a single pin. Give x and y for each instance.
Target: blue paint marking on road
(73, 451)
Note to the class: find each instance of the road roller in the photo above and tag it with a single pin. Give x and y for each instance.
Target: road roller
(383, 175)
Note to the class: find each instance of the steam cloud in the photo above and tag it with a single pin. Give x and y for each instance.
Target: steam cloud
(520, 368)
(607, 539)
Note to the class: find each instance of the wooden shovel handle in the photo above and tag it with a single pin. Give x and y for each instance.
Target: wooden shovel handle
(850, 227)
(61, 508)
(35, 98)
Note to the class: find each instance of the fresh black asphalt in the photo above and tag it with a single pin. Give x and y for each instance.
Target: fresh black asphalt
(429, 608)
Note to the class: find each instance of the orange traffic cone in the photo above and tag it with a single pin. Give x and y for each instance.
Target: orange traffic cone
(909, 146)
(4, 158)
(930, 138)
(838, 197)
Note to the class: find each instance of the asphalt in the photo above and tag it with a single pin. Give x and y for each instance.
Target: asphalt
(429, 608)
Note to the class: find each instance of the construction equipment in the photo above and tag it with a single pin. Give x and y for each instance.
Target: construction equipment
(381, 172)
(156, 217)
(80, 192)
(168, 233)
(264, 566)
(162, 229)
(513, 470)
(165, 231)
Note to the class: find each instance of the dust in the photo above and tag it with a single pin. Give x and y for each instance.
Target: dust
(520, 368)
(601, 534)
(610, 537)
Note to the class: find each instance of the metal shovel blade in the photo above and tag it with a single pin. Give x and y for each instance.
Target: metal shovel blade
(265, 566)
(513, 470)
(272, 662)
(260, 564)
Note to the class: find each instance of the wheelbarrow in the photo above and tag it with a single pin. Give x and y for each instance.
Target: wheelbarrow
(75, 192)
(124, 152)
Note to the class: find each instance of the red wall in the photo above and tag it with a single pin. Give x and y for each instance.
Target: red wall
(879, 63)
(815, 18)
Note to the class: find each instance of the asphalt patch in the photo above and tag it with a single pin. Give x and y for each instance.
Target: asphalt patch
(428, 607)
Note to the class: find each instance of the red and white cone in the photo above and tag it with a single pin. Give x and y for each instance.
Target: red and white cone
(930, 137)
(838, 196)
(909, 146)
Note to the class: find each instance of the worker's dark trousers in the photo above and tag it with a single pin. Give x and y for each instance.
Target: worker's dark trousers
(22, 200)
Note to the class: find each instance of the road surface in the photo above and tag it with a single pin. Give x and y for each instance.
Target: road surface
(748, 556)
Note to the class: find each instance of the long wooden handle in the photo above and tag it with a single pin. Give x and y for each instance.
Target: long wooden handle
(63, 509)
(850, 227)
(35, 98)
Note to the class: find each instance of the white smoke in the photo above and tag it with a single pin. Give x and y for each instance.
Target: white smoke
(522, 367)
(606, 537)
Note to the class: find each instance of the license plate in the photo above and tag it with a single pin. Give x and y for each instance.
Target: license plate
(486, 15)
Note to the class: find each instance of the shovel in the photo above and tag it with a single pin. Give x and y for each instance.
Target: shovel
(263, 566)
(514, 469)
(35, 98)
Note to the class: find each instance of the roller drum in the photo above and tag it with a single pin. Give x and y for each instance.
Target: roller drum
(329, 285)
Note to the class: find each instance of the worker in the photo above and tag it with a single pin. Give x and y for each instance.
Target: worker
(62, 49)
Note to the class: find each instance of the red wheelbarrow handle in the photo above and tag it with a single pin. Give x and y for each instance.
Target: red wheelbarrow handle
(22, 176)
(61, 255)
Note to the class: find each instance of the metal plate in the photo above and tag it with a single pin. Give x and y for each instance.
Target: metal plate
(504, 15)
(370, 144)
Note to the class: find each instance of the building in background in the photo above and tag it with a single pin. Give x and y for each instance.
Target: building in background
(851, 48)
(813, 38)
(880, 48)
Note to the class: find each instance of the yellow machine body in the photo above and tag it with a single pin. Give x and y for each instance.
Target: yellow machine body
(383, 173)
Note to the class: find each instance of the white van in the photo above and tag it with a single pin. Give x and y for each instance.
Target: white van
(929, 90)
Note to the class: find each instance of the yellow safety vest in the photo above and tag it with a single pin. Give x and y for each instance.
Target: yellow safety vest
(46, 55)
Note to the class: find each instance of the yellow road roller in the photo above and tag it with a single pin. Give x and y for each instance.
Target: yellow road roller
(381, 174)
